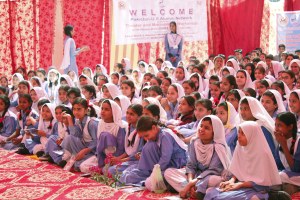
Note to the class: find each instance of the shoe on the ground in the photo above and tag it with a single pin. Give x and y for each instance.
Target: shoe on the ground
(62, 163)
(279, 195)
(44, 158)
(40, 153)
(23, 151)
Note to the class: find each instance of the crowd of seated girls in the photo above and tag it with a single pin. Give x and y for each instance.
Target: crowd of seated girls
(226, 128)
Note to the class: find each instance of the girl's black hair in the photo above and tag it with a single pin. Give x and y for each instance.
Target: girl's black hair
(4, 90)
(84, 103)
(36, 80)
(169, 80)
(252, 70)
(68, 29)
(159, 81)
(66, 110)
(145, 123)
(197, 95)
(206, 103)
(224, 105)
(271, 95)
(235, 93)
(6, 101)
(64, 88)
(116, 74)
(232, 81)
(137, 108)
(251, 91)
(90, 89)
(280, 84)
(261, 69)
(164, 73)
(148, 74)
(131, 85)
(190, 83)
(42, 102)
(264, 83)
(207, 119)
(26, 83)
(28, 110)
(41, 70)
(288, 119)
(156, 89)
(190, 100)
(154, 109)
(75, 91)
(120, 66)
(174, 23)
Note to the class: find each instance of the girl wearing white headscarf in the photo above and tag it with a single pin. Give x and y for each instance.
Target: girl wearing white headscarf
(295, 67)
(209, 160)
(36, 81)
(218, 64)
(111, 132)
(272, 102)
(126, 64)
(170, 104)
(227, 114)
(243, 79)
(39, 93)
(74, 77)
(163, 114)
(124, 103)
(68, 79)
(151, 68)
(101, 69)
(252, 166)
(181, 74)
(227, 71)
(53, 85)
(110, 91)
(289, 151)
(233, 64)
(275, 68)
(13, 92)
(44, 131)
(294, 105)
(85, 80)
(250, 109)
(201, 84)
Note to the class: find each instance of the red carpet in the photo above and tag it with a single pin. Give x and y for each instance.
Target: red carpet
(25, 178)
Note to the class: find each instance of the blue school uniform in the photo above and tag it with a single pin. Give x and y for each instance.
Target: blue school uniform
(173, 112)
(82, 135)
(189, 129)
(173, 50)
(9, 127)
(132, 160)
(21, 124)
(202, 172)
(105, 140)
(165, 151)
(231, 139)
(52, 146)
(244, 193)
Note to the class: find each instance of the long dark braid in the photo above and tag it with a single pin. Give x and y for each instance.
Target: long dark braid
(6, 101)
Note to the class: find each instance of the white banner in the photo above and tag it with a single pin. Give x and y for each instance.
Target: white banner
(141, 21)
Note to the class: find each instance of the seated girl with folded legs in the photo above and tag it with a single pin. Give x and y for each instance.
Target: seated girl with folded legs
(82, 141)
(8, 122)
(250, 109)
(209, 158)
(203, 107)
(45, 127)
(111, 133)
(133, 142)
(27, 124)
(289, 151)
(253, 168)
(227, 114)
(163, 147)
(53, 151)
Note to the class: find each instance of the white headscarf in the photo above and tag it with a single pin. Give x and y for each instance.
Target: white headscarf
(89, 81)
(249, 83)
(297, 61)
(186, 75)
(259, 113)
(166, 64)
(202, 83)
(163, 114)
(68, 79)
(235, 64)
(113, 90)
(232, 114)
(19, 76)
(204, 152)
(277, 67)
(180, 90)
(51, 107)
(112, 128)
(55, 72)
(125, 103)
(128, 63)
(263, 64)
(153, 67)
(36, 78)
(91, 72)
(255, 161)
(40, 92)
(278, 97)
(103, 69)
(241, 93)
(230, 69)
